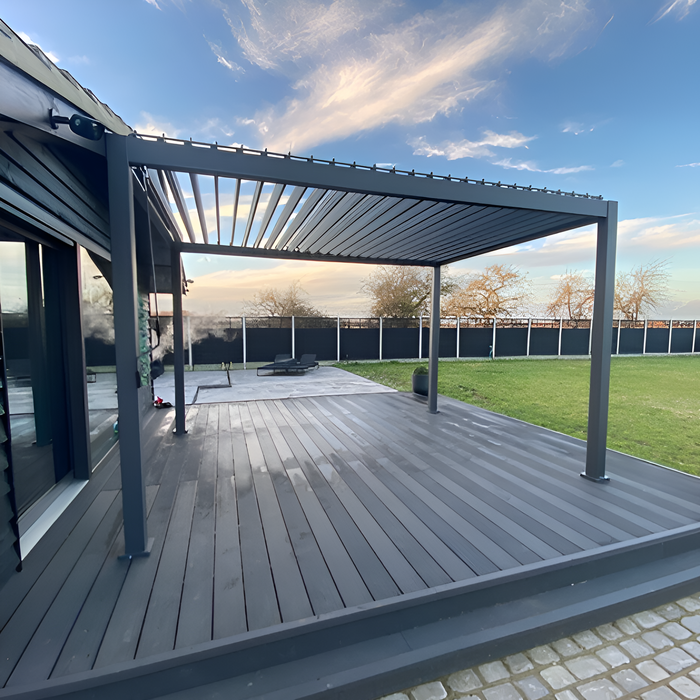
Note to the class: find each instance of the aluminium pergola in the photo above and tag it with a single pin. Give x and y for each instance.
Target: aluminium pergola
(324, 210)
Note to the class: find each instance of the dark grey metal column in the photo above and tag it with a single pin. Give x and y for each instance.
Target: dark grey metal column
(434, 342)
(601, 344)
(121, 216)
(178, 341)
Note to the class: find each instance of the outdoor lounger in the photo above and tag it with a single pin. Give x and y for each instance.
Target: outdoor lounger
(287, 364)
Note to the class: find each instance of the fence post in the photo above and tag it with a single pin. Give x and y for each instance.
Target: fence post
(293, 348)
(644, 346)
(493, 340)
(189, 345)
(561, 326)
(420, 337)
(619, 328)
(695, 330)
(381, 336)
(670, 333)
(529, 328)
(590, 334)
(245, 344)
(338, 341)
(458, 320)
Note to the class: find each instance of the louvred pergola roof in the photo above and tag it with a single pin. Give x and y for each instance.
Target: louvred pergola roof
(310, 209)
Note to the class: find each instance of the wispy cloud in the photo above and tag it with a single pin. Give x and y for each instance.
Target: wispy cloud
(155, 4)
(689, 165)
(576, 128)
(617, 164)
(350, 77)
(155, 127)
(78, 60)
(679, 8)
(454, 150)
(31, 42)
(531, 167)
(221, 58)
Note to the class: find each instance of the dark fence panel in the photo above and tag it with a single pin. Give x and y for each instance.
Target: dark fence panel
(265, 343)
(657, 340)
(682, 340)
(98, 353)
(16, 342)
(544, 341)
(322, 342)
(511, 342)
(399, 343)
(213, 351)
(425, 342)
(631, 341)
(574, 341)
(475, 342)
(359, 343)
(448, 342)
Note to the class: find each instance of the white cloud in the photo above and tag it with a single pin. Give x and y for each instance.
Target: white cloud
(155, 127)
(221, 57)
(531, 167)
(78, 60)
(155, 4)
(618, 164)
(29, 41)
(453, 150)
(679, 8)
(689, 165)
(355, 70)
(576, 128)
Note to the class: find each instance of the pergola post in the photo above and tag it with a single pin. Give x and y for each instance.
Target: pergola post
(126, 342)
(178, 341)
(601, 346)
(434, 342)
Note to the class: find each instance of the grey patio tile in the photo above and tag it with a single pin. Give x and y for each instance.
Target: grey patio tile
(657, 639)
(636, 648)
(567, 695)
(532, 688)
(693, 648)
(395, 696)
(674, 660)
(609, 632)
(602, 689)
(685, 687)
(652, 671)
(557, 677)
(493, 671)
(690, 604)
(586, 667)
(566, 647)
(504, 691)
(543, 655)
(587, 639)
(670, 611)
(692, 622)
(660, 693)
(518, 663)
(624, 624)
(676, 631)
(630, 680)
(464, 681)
(648, 619)
(612, 656)
(429, 691)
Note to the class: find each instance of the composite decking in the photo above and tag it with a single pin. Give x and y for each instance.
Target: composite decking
(276, 511)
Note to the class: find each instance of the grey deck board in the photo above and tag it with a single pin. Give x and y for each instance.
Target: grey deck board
(262, 609)
(277, 511)
(229, 594)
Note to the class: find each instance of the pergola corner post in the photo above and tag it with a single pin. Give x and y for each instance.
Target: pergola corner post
(178, 341)
(434, 342)
(126, 341)
(601, 346)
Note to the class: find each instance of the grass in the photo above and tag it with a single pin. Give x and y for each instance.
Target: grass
(654, 401)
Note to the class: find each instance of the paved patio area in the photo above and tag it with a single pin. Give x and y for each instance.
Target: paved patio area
(653, 655)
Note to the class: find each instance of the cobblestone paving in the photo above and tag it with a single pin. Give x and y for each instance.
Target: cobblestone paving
(653, 655)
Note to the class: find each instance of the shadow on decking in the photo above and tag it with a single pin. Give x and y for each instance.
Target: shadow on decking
(287, 531)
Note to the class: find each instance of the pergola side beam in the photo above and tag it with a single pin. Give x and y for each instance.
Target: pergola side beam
(178, 341)
(434, 342)
(126, 341)
(601, 346)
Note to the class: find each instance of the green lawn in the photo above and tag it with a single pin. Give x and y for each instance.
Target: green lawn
(654, 401)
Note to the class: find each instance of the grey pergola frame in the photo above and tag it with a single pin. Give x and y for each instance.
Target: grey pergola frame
(520, 214)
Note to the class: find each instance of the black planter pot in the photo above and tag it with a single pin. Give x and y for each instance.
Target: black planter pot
(420, 384)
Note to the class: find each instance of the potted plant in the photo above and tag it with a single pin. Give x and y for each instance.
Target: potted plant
(419, 380)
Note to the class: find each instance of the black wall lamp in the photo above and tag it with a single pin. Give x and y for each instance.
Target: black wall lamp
(83, 126)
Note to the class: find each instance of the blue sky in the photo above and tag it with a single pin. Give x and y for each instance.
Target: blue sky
(597, 96)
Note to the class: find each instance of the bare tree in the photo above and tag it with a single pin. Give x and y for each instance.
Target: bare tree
(642, 290)
(572, 297)
(399, 291)
(500, 290)
(291, 301)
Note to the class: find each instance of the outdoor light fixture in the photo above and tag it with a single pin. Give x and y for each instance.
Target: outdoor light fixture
(83, 126)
